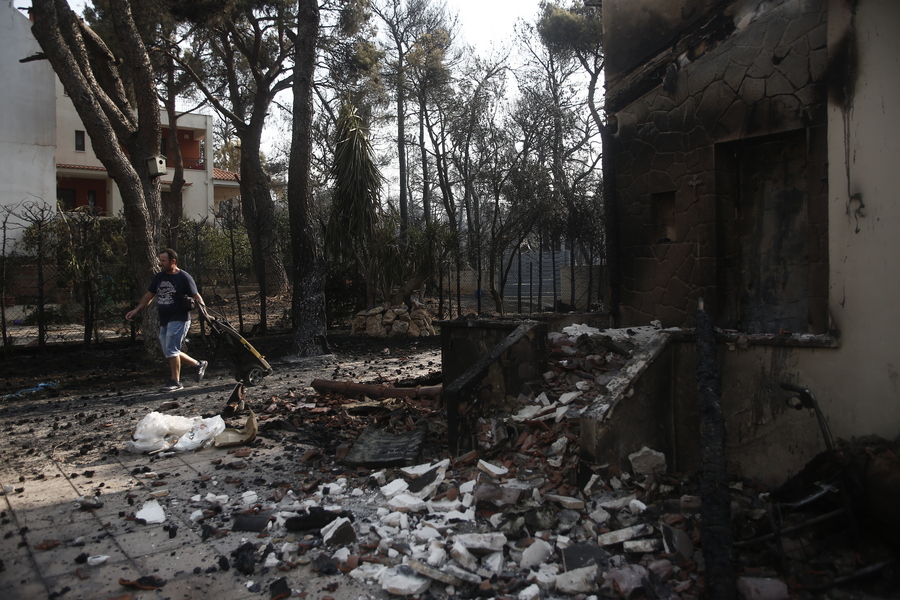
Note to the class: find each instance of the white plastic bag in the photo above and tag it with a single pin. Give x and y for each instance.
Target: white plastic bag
(202, 434)
(151, 432)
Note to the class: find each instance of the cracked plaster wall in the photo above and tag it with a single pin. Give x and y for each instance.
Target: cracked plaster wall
(678, 141)
(765, 77)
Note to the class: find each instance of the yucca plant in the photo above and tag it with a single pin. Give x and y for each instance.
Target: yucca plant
(355, 222)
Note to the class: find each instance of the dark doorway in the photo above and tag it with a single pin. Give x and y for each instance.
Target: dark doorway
(773, 226)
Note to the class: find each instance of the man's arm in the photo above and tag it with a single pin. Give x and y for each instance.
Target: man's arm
(148, 297)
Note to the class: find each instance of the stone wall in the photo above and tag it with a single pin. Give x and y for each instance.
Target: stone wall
(392, 321)
(678, 147)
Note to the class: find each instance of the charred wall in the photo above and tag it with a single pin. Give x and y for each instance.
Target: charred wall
(736, 95)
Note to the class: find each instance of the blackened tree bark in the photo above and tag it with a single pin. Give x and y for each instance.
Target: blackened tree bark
(714, 496)
(176, 203)
(308, 307)
(124, 134)
(240, 64)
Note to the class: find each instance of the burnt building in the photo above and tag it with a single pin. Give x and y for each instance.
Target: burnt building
(754, 164)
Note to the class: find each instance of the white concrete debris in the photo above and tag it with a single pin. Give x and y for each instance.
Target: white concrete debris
(493, 562)
(419, 470)
(532, 592)
(535, 554)
(600, 516)
(403, 581)
(761, 588)
(648, 545)
(578, 581)
(566, 501)
(221, 499)
(466, 576)
(444, 505)
(618, 503)
(426, 534)
(647, 462)
(462, 555)
(406, 503)
(432, 573)
(368, 572)
(637, 507)
(492, 469)
(568, 397)
(151, 512)
(626, 579)
(528, 413)
(487, 542)
(574, 331)
(397, 486)
(437, 555)
(545, 576)
(558, 447)
(623, 535)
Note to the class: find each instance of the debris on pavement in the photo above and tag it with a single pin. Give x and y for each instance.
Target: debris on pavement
(521, 516)
(231, 436)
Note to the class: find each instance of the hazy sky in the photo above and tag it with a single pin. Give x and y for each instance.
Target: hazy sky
(482, 22)
(486, 22)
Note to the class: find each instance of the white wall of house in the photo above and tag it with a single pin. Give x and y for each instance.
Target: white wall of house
(27, 121)
(859, 384)
(197, 195)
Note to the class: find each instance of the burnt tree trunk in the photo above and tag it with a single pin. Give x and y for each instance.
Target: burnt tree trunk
(124, 134)
(308, 307)
(714, 496)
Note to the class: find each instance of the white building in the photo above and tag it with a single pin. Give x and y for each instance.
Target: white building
(27, 117)
(48, 155)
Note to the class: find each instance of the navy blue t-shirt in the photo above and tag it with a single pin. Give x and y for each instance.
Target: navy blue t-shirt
(170, 291)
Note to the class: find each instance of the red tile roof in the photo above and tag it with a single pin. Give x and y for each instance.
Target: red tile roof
(82, 167)
(225, 175)
(103, 169)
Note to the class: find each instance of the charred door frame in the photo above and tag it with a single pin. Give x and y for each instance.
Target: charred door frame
(729, 244)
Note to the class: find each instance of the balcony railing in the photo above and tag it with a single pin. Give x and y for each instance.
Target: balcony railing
(194, 164)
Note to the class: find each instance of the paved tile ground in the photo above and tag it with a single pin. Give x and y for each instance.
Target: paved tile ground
(54, 451)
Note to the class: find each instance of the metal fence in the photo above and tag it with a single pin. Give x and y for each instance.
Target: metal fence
(535, 282)
(64, 278)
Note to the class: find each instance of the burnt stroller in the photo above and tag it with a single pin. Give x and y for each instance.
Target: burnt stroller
(250, 367)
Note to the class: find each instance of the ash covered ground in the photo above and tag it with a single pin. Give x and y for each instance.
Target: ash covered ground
(519, 517)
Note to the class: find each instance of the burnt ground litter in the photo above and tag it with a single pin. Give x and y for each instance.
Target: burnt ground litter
(521, 516)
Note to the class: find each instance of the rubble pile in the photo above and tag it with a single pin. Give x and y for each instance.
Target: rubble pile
(393, 321)
(521, 516)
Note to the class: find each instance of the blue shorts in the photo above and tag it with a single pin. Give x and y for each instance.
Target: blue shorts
(171, 337)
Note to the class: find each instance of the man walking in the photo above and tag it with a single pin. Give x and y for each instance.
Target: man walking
(171, 286)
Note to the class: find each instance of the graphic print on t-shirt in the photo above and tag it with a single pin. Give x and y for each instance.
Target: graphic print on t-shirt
(165, 294)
